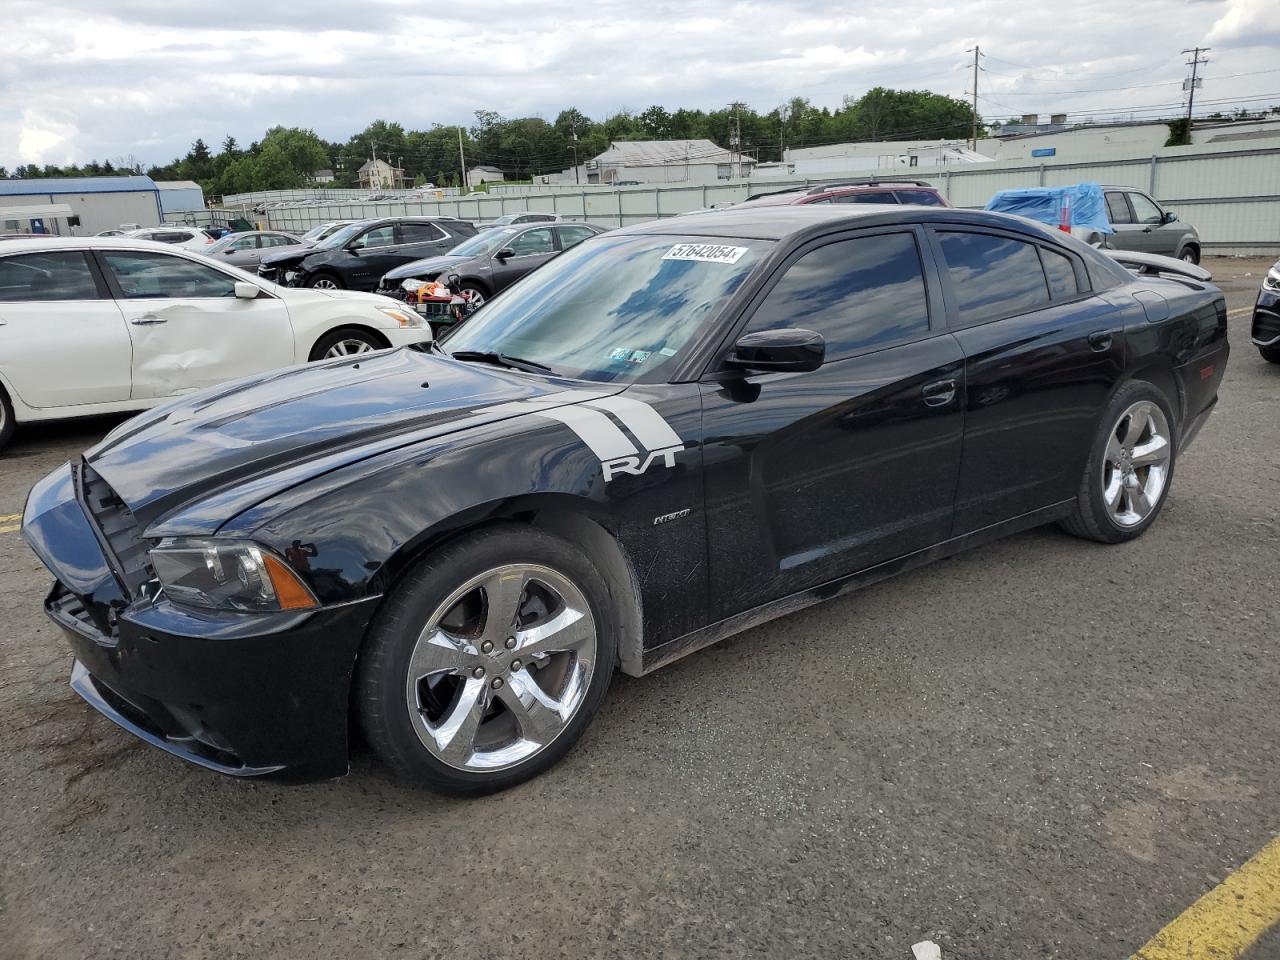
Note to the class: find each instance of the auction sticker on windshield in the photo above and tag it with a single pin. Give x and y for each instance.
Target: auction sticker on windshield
(705, 253)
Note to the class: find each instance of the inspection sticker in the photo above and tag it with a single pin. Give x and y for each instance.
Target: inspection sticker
(705, 253)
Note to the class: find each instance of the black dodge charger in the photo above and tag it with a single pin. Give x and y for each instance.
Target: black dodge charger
(667, 435)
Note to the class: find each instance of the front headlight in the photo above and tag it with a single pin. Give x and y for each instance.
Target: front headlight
(1272, 280)
(228, 575)
(406, 318)
(413, 284)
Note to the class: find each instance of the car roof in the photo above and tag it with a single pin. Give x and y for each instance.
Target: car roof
(782, 222)
(44, 244)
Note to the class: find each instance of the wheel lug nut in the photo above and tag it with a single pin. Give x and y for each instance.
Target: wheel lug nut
(487, 646)
(511, 643)
(515, 664)
(478, 672)
(497, 683)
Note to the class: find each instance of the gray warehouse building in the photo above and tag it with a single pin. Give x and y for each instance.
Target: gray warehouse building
(178, 197)
(77, 206)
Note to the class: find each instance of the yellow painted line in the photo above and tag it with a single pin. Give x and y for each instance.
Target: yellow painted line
(1239, 311)
(10, 528)
(1228, 919)
(9, 517)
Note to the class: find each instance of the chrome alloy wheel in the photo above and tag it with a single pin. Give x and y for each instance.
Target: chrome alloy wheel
(1135, 468)
(323, 283)
(347, 348)
(501, 667)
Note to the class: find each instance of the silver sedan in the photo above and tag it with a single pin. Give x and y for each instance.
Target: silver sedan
(245, 249)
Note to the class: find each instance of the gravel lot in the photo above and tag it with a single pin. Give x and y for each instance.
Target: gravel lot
(1044, 748)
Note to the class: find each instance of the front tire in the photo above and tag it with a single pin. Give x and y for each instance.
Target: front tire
(346, 342)
(324, 281)
(1130, 467)
(487, 661)
(7, 422)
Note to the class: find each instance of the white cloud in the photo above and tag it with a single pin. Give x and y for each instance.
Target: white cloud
(146, 77)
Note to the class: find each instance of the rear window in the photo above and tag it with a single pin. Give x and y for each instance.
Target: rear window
(867, 196)
(923, 198)
(993, 276)
(46, 277)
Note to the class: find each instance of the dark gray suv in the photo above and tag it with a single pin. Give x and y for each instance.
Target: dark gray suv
(1142, 224)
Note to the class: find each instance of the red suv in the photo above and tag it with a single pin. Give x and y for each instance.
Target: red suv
(898, 191)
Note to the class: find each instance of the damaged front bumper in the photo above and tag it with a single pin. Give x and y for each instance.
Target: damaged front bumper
(243, 694)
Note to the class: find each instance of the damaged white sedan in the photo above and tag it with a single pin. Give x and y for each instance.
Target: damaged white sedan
(95, 325)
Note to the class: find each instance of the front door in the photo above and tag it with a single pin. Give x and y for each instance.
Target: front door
(811, 476)
(63, 340)
(373, 253)
(529, 250)
(1128, 234)
(188, 328)
(1042, 354)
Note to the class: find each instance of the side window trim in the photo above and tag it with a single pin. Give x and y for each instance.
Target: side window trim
(933, 289)
(117, 292)
(1084, 288)
(101, 289)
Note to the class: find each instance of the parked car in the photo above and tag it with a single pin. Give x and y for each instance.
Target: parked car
(1266, 316)
(669, 434)
(189, 238)
(1143, 225)
(316, 234)
(245, 249)
(514, 219)
(356, 256)
(487, 263)
(100, 325)
(899, 191)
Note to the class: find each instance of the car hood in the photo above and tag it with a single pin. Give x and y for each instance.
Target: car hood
(192, 464)
(429, 265)
(288, 255)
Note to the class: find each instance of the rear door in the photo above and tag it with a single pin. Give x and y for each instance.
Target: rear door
(1042, 355)
(571, 236)
(188, 328)
(419, 239)
(529, 249)
(63, 340)
(811, 476)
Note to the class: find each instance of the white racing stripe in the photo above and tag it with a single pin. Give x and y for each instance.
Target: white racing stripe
(594, 429)
(645, 423)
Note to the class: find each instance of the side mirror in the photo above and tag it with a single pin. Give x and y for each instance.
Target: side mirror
(453, 279)
(1170, 216)
(227, 252)
(506, 253)
(246, 290)
(788, 349)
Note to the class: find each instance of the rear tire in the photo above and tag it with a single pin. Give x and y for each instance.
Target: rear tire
(487, 661)
(1270, 354)
(7, 422)
(1130, 467)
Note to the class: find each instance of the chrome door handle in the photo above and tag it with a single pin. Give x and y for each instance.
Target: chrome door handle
(940, 393)
(147, 321)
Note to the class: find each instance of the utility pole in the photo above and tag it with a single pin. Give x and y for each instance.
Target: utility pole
(1193, 63)
(735, 137)
(462, 159)
(973, 139)
(573, 126)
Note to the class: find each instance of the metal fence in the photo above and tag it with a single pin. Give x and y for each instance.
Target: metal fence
(1231, 195)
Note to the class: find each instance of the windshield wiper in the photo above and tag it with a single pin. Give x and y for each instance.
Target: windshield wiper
(501, 360)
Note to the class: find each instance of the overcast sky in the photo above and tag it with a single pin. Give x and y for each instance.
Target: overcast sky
(82, 79)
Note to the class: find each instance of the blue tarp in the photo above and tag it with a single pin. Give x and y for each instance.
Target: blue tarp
(1044, 204)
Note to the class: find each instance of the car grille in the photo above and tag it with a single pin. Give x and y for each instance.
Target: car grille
(1266, 325)
(98, 624)
(116, 523)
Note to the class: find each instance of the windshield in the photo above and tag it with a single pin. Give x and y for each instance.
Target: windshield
(315, 233)
(489, 241)
(340, 237)
(614, 309)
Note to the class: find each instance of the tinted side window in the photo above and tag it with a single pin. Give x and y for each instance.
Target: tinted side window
(993, 276)
(245, 243)
(1062, 278)
(924, 198)
(46, 276)
(1117, 209)
(151, 275)
(383, 236)
(871, 196)
(533, 242)
(420, 232)
(276, 240)
(572, 236)
(859, 294)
